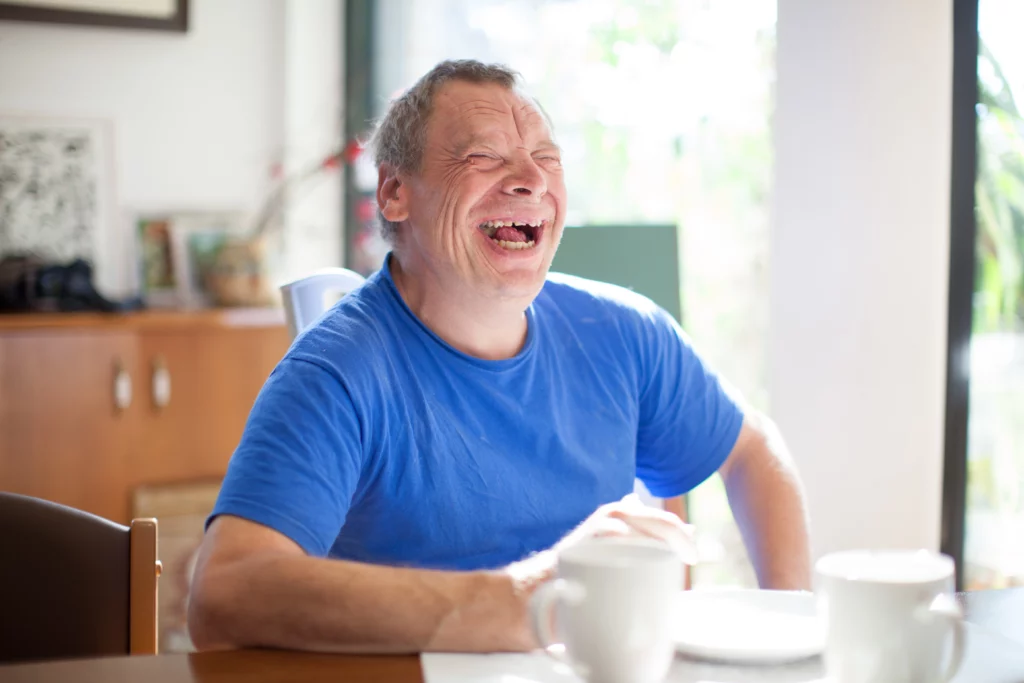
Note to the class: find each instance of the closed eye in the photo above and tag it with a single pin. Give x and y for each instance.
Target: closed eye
(484, 161)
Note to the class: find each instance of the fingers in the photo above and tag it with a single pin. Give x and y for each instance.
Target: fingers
(631, 517)
(610, 526)
(528, 573)
(663, 527)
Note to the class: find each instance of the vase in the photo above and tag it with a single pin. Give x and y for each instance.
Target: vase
(238, 275)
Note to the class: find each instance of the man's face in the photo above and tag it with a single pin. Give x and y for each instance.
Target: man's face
(487, 206)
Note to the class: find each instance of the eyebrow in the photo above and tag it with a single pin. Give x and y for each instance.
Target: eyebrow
(548, 143)
(465, 144)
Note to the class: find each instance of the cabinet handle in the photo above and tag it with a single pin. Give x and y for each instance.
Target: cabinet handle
(122, 386)
(161, 383)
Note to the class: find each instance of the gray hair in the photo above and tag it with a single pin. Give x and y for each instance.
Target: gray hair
(401, 133)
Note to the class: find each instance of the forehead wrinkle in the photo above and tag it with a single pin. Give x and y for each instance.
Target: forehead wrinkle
(524, 114)
(529, 111)
(471, 110)
(528, 116)
(482, 106)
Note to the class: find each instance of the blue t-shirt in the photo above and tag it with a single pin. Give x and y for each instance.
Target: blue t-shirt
(374, 440)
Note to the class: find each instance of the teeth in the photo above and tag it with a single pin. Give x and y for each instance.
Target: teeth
(516, 246)
(494, 225)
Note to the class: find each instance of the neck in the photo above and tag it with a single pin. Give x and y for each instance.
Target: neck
(488, 328)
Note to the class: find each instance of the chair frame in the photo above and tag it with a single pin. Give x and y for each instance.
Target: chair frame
(130, 629)
(303, 299)
(144, 576)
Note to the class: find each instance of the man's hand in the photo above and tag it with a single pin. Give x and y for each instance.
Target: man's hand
(626, 517)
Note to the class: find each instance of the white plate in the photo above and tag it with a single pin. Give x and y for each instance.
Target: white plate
(750, 626)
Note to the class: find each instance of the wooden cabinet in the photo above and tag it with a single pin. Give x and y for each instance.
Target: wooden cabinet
(241, 367)
(92, 407)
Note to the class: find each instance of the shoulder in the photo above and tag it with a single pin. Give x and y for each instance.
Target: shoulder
(608, 318)
(579, 297)
(352, 335)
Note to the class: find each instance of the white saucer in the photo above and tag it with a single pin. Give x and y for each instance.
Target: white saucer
(749, 626)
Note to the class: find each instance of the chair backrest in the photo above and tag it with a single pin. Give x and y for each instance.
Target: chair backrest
(73, 584)
(306, 299)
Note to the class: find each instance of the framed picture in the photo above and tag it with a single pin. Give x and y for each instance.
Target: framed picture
(57, 195)
(158, 285)
(196, 239)
(159, 15)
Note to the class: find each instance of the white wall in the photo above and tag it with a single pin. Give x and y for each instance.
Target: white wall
(314, 92)
(859, 263)
(198, 118)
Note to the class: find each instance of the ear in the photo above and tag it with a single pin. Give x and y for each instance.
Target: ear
(392, 195)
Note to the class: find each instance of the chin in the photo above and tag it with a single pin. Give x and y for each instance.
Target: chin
(521, 285)
(515, 274)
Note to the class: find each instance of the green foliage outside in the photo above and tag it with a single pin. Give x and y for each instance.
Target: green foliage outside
(999, 202)
(995, 480)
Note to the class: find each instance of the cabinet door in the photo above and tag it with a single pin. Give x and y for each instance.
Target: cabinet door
(235, 363)
(199, 386)
(170, 400)
(66, 417)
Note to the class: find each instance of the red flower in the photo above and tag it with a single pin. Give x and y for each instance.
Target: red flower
(352, 151)
(332, 162)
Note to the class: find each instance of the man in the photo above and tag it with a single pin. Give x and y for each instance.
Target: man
(412, 461)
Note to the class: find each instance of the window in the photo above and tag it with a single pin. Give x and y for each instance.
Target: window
(994, 525)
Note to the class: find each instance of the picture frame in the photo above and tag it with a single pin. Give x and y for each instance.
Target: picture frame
(68, 164)
(155, 15)
(196, 238)
(157, 275)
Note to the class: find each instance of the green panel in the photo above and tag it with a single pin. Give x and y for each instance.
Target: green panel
(644, 258)
(360, 19)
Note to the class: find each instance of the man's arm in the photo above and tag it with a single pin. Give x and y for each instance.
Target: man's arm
(255, 587)
(767, 500)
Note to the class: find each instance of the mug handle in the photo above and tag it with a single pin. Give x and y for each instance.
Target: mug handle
(542, 606)
(945, 608)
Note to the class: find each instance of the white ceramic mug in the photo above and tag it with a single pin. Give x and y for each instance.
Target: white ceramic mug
(890, 616)
(614, 599)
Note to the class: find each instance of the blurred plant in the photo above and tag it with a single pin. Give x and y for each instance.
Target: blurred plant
(999, 202)
(994, 484)
(238, 270)
(287, 188)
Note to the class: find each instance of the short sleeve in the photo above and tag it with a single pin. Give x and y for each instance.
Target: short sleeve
(688, 423)
(299, 458)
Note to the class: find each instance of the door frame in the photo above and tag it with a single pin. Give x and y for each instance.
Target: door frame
(963, 233)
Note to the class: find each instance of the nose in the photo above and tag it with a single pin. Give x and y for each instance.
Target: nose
(526, 179)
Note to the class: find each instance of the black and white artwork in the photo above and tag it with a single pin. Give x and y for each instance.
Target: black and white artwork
(54, 189)
(48, 192)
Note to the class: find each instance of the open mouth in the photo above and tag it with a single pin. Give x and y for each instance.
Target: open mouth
(513, 235)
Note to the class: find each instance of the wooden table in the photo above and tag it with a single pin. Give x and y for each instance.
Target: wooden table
(999, 614)
(250, 666)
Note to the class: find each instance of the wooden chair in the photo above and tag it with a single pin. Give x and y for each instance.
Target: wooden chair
(73, 584)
